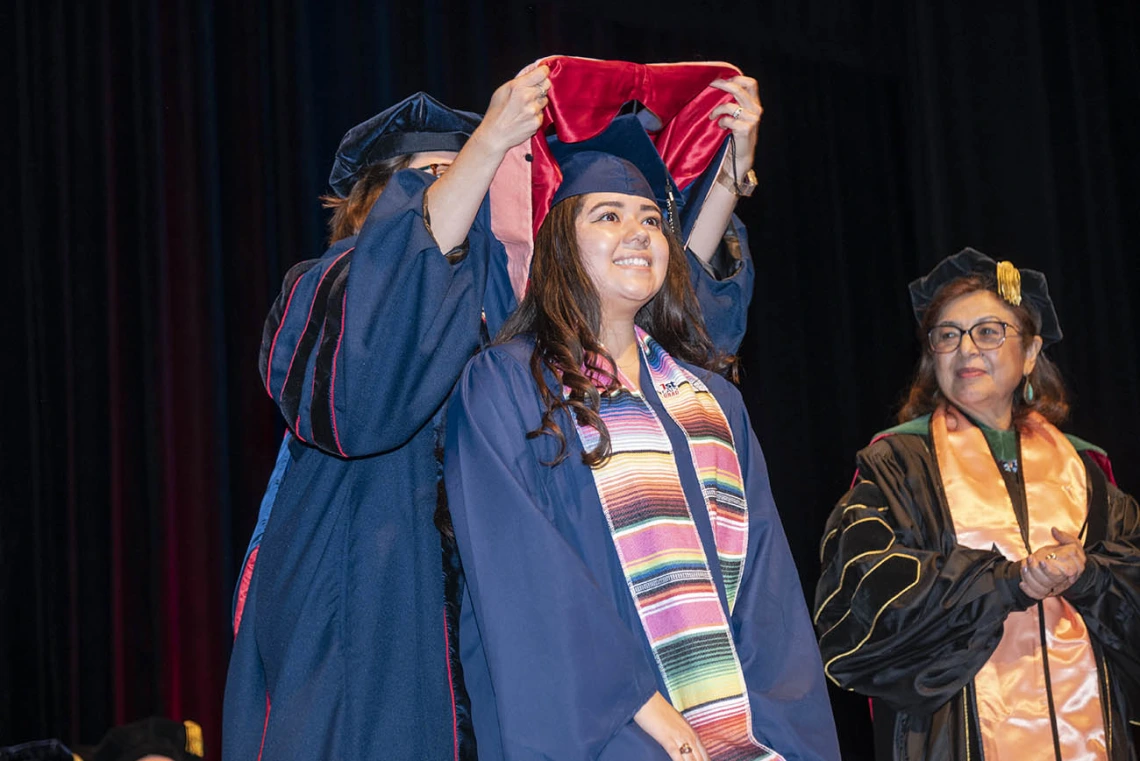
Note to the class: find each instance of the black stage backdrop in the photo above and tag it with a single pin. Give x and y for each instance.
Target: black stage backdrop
(163, 161)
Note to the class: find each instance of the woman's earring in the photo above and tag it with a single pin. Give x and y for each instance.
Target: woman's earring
(1027, 391)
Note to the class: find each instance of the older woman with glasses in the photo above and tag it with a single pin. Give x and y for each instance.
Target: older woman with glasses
(981, 579)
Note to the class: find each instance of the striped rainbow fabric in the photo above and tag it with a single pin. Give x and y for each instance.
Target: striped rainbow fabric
(661, 553)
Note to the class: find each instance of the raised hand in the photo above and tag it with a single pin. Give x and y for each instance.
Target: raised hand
(513, 115)
(515, 111)
(742, 116)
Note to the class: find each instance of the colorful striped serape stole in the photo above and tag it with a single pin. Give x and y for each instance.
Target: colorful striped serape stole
(661, 552)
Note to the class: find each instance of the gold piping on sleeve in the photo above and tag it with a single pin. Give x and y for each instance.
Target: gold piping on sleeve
(826, 539)
(843, 573)
(875, 620)
(823, 544)
(856, 506)
(855, 591)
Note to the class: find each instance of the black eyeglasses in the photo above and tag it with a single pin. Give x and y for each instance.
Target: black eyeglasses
(985, 335)
(435, 169)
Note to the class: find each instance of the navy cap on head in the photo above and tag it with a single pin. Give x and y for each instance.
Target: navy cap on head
(621, 159)
(417, 124)
(1030, 286)
(597, 172)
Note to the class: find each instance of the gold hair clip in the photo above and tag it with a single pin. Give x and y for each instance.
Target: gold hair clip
(1009, 282)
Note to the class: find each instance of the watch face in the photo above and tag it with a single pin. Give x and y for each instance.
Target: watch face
(748, 184)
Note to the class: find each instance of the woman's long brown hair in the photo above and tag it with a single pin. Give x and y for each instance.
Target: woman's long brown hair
(562, 311)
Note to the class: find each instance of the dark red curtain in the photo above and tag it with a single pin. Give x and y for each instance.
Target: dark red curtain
(163, 161)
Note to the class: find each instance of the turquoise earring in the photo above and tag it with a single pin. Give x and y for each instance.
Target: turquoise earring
(1027, 391)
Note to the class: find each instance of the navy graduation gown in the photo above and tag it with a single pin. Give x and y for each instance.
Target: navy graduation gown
(554, 655)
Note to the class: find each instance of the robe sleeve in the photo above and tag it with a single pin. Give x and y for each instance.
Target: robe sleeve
(903, 613)
(364, 344)
(1107, 594)
(724, 288)
(565, 670)
(772, 628)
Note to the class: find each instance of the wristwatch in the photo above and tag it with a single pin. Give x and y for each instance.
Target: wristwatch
(743, 187)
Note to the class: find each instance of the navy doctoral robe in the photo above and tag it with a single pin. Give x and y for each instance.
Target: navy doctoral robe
(341, 644)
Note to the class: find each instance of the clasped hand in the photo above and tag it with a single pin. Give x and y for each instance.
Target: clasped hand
(1052, 569)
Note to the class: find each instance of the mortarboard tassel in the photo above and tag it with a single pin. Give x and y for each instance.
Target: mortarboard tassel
(1009, 282)
(673, 215)
(194, 743)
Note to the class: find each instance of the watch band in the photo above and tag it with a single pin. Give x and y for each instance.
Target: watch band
(743, 187)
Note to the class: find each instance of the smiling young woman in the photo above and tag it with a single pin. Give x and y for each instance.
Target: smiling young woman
(622, 243)
(630, 591)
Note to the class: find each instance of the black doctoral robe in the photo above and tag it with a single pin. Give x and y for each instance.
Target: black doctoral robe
(907, 616)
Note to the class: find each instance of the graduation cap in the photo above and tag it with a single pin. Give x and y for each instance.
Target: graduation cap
(181, 741)
(1007, 281)
(654, 116)
(622, 159)
(417, 124)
